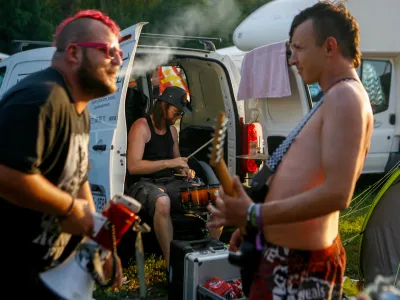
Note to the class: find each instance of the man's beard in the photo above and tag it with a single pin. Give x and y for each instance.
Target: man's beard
(91, 84)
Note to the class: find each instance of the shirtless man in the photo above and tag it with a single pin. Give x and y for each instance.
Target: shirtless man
(317, 176)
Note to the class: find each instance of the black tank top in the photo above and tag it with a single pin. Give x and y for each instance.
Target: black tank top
(159, 147)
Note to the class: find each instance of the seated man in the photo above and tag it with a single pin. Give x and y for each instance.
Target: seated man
(153, 157)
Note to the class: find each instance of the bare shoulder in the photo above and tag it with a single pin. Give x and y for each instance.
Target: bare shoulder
(173, 129)
(348, 101)
(174, 132)
(140, 126)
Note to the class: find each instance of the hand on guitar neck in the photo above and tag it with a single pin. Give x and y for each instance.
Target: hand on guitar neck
(232, 202)
(230, 209)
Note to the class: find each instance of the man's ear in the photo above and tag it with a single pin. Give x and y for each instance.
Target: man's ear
(73, 54)
(331, 46)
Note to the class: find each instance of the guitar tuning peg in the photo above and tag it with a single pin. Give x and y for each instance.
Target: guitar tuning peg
(222, 132)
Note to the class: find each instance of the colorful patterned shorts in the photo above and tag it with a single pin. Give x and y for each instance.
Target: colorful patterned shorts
(299, 274)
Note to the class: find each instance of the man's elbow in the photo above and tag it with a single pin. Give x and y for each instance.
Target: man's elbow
(344, 203)
(341, 198)
(339, 193)
(338, 197)
(133, 168)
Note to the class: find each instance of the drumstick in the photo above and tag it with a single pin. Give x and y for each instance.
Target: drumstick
(200, 148)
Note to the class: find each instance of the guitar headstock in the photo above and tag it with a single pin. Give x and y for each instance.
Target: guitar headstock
(217, 147)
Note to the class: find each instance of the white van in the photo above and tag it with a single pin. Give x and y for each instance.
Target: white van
(3, 56)
(211, 78)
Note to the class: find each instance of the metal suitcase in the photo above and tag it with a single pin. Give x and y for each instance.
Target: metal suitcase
(201, 266)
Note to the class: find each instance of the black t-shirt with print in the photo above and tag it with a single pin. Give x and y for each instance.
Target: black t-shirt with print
(41, 133)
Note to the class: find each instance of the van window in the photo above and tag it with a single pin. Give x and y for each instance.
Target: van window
(375, 76)
(315, 92)
(2, 74)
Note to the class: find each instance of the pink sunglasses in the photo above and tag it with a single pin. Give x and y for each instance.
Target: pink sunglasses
(111, 50)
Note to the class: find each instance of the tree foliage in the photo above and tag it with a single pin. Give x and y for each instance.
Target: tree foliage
(36, 20)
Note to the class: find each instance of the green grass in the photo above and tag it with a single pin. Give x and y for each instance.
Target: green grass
(350, 225)
(155, 276)
(351, 221)
(349, 228)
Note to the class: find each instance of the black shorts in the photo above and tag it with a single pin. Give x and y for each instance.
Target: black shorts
(147, 191)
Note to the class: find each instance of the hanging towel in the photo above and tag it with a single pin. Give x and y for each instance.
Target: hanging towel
(264, 73)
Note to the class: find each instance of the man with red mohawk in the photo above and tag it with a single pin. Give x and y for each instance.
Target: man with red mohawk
(44, 123)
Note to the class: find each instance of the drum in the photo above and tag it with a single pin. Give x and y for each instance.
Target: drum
(213, 190)
(195, 199)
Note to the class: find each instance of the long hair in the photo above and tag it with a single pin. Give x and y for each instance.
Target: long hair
(158, 111)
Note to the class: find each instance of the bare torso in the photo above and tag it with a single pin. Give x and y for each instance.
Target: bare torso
(299, 171)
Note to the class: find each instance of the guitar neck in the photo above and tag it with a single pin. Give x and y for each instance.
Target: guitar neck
(225, 178)
(226, 181)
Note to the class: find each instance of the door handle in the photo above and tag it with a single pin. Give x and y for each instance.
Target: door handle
(392, 119)
(99, 147)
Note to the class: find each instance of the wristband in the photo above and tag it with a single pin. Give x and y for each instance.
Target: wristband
(255, 216)
(258, 216)
(249, 210)
(69, 210)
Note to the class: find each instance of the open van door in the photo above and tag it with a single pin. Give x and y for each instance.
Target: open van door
(233, 109)
(108, 138)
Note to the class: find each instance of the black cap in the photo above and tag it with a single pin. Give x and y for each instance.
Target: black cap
(176, 96)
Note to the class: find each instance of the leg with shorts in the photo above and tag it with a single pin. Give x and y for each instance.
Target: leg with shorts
(299, 274)
(156, 203)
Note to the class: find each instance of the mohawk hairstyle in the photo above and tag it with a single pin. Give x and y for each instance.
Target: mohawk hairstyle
(88, 14)
(333, 19)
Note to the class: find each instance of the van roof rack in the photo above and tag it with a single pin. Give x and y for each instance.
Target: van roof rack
(208, 42)
(20, 44)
